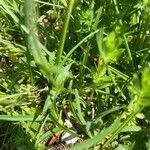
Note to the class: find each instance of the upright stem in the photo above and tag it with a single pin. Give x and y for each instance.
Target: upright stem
(30, 15)
(33, 43)
(64, 31)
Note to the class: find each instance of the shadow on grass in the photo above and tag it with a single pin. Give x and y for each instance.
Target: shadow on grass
(13, 137)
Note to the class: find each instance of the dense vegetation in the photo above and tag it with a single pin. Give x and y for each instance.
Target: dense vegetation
(85, 62)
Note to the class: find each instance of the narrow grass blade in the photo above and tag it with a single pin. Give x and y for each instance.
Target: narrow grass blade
(80, 114)
(75, 47)
(9, 11)
(14, 17)
(119, 73)
(41, 129)
(49, 4)
(48, 134)
(19, 118)
(107, 112)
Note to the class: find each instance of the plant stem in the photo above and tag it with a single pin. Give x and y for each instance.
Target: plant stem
(33, 43)
(64, 31)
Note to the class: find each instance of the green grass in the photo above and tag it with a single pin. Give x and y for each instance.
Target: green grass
(84, 61)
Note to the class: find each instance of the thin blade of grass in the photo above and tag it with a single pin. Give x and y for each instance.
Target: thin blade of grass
(119, 73)
(49, 4)
(76, 46)
(80, 114)
(8, 11)
(48, 134)
(41, 129)
(107, 112)
(20, 118)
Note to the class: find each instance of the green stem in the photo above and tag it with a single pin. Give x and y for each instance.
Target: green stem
(64, 31)
(33, 43)
(30, 16)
